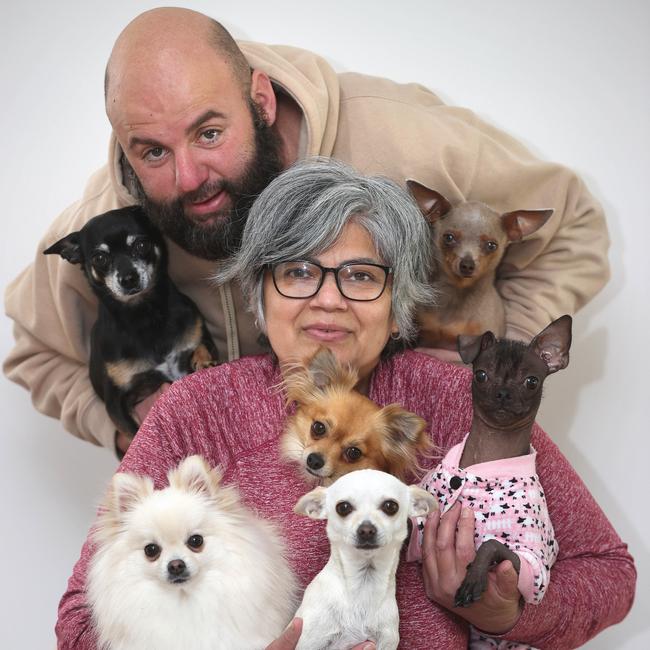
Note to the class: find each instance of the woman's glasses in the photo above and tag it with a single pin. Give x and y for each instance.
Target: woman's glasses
(356, 281)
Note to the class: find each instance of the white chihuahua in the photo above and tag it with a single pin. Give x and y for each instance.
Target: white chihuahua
(353, 598)
(186, 567)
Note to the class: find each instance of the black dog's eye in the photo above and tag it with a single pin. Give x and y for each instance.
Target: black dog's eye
(195, 542)
(152, 551)
(142, 247)
(100, 260)
(344, 508)
(531, 382)
(318, 429)
(481, 376)
(390, 507)
(353, 454)
(448, 239)
(491, 246)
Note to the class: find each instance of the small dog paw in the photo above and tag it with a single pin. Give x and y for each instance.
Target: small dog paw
(470, 590)
(201, 358)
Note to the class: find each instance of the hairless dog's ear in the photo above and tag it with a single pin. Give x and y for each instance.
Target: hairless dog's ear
(69, 248)
(469, 347)
(553, 342)
(432, 204)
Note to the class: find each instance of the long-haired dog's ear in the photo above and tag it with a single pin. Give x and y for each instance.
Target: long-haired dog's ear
(404, 438)
(126, 491)
(193, 474)
(308, 382)
(69, 248)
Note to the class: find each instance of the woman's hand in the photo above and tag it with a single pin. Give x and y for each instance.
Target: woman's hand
(289, 639)
(447, 549)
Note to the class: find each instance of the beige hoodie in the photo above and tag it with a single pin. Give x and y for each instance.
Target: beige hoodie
(378, 126)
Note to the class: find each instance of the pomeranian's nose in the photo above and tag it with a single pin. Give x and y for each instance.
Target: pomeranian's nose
(366, 533)
(315, 461)
(176, 567)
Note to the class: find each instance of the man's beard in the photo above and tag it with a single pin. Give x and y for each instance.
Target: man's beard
(223, 237)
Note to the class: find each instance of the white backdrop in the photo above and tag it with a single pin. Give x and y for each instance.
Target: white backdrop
(570, 79)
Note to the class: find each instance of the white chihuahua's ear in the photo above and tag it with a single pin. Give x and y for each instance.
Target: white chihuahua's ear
(193, 474)
(127, 490)
(312, 504)
(422, 503)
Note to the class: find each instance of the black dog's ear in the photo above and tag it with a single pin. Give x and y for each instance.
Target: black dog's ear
(69, 248)
(553, 342)
(432, 204)
(469, 347)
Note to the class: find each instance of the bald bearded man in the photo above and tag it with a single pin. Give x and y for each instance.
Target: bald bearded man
(201, 124)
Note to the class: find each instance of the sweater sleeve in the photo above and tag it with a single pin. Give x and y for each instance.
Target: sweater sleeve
(593, 580)
(53, 310)
(158, 446)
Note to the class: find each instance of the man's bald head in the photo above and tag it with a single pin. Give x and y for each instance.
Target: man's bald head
(147, 42)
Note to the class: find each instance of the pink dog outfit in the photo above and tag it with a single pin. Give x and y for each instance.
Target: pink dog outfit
(509, 506)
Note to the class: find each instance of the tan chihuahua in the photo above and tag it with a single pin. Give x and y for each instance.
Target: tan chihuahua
(336, 429)
(470, 240)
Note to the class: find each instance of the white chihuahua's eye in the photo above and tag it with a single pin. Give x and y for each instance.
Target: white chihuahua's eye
(152, 551)
(195, 542)
(318, 429)
(390, 507)
(481, 376)
(352, 454)
(344, 508)
(532, 382)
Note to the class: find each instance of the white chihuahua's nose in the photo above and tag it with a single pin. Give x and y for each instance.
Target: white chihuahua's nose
(367, 534)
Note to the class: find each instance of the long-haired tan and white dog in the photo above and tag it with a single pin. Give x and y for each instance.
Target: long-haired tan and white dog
(187, 566)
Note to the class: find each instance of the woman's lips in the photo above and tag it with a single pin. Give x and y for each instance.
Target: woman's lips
(326, 333)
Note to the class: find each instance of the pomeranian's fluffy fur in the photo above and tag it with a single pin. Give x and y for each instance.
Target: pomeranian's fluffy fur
(336, 429)
(187, 566)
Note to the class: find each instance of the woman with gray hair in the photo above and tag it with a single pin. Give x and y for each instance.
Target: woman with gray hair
(333, 258)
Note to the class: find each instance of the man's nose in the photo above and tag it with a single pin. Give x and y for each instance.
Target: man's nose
(329, 296)
(191, 173)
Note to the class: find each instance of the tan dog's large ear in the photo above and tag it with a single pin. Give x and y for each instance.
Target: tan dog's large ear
(404, 438)
(126, 491)
(308, 383)
(313, 504)
(521, 223)
(553, 342)
(193, 474)
(432, 204)
(422, 502)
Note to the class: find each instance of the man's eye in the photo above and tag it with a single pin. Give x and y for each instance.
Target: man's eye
(154, 154)
(209, 136)
(299, 273)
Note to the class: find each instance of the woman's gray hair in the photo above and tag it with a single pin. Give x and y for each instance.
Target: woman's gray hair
(302, 213)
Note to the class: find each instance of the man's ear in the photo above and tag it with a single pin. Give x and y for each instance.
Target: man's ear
(263, 95)
(69, 248)
(312, 504)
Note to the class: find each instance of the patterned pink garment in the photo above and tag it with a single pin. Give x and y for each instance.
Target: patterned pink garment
(509, 506)
(234, 414)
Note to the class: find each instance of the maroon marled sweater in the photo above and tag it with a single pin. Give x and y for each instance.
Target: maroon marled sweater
(234, 414)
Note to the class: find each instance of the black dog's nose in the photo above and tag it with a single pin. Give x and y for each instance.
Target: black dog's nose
(176, 567)
(366, 533)
(129, 280)
(315, 461)
(503, 394)
(467, 266)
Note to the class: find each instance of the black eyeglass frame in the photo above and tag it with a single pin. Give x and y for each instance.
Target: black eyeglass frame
(388, 271)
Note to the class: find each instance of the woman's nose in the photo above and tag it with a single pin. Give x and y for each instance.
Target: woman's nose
(329, 296)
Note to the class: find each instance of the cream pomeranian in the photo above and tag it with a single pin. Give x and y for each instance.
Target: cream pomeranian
(187, 566)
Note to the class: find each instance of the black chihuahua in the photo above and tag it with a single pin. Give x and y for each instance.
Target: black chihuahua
(506, 393)
(147, 332)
